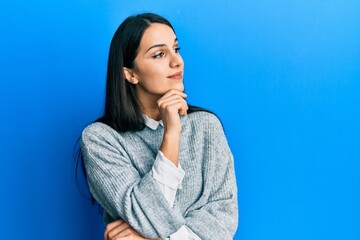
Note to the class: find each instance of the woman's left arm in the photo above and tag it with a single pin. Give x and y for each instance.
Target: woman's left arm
(218, 217)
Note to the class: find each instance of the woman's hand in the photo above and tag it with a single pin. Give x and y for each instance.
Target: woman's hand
(171, 106)
(120, 230)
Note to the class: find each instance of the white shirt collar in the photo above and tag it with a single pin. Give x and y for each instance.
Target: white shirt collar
(151, 123)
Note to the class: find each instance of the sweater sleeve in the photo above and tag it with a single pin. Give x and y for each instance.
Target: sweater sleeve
(217, 218)
(121, 191)
(169, 178)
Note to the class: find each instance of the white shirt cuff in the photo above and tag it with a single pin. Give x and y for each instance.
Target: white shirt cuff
(184, 233)
(165, 172)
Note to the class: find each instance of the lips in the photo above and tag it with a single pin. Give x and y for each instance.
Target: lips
(177, 75)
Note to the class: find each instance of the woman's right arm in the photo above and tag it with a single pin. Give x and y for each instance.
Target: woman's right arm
(117, 186)
(120, 190)
(171, 106)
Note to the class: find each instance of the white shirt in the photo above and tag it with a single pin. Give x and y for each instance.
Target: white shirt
(169, 178)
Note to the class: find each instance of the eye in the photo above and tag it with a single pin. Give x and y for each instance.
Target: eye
(176, 50)
(159, 55)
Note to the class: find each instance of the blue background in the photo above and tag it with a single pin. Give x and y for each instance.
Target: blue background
(284, 77)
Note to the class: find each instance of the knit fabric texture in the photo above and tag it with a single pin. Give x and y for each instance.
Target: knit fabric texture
(118, 173)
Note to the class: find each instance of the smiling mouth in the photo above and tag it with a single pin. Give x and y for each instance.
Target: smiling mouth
(177, 75)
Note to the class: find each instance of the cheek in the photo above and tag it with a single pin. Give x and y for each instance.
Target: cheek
(154, 73)
(152, 76)
(153, 79)
(150, 71)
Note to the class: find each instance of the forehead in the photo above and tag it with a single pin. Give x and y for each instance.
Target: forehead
(157, 33)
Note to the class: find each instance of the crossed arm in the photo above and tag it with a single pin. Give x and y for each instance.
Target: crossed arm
(139, 202)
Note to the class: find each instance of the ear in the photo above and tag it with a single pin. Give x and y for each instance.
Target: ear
(130, 76)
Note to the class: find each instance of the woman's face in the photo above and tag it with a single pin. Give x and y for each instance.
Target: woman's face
(158, 65)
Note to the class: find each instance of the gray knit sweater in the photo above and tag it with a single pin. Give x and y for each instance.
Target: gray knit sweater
(118, 166)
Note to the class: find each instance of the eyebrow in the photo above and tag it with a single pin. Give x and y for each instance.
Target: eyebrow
(160, 45)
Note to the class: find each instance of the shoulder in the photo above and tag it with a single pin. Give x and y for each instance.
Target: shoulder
(204, 119)
(96, 128)
(100, 140)
(98, 131)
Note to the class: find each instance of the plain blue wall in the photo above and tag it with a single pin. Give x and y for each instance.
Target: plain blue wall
(284, 77)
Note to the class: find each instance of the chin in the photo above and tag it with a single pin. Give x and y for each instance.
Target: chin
(179, 87)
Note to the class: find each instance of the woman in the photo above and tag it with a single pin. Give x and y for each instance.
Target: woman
(159, 168)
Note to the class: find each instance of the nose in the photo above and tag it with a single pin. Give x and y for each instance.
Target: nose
(176, 60)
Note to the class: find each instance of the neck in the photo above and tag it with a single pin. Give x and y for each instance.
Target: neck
(151, 112)
(148, 105)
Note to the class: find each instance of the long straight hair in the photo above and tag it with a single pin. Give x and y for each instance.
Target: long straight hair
(122, 111)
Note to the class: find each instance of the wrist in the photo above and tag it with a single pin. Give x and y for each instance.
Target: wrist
(172, 134)
(170, 147)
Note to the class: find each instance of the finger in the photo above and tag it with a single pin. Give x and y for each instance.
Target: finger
(163, 101)
(181, 109)
(172, 106)
(110, 227)
(125, 233)
(175, 92)
(119, 230)
(116, 229)
(169, 98)
(114, 224)
(185, 107)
